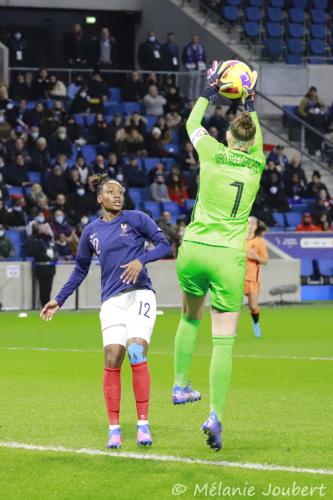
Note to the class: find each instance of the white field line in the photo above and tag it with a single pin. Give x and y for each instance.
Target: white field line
(169, 353)
(168, 458)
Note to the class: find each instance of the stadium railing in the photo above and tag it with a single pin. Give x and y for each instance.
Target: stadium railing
(4, 64)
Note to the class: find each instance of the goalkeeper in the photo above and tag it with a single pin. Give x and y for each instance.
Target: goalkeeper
(213, 254)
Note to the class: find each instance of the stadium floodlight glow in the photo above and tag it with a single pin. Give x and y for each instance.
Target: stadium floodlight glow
(90, 20)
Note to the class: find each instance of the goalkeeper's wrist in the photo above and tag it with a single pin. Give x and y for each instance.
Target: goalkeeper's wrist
(249, 105)
(208, 93)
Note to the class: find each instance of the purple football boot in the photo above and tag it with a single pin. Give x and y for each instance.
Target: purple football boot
(114, 440)
(144, 437)
(182, 395)
(213, 429)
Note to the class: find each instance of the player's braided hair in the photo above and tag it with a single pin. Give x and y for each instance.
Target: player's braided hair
(98, 181)
(243, 128)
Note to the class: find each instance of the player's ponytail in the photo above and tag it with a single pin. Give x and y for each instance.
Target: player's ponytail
(98, 181)
(243, 128)
(261, 228)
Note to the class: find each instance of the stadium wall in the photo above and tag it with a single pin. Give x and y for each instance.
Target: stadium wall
(16, 283)
(128, 5)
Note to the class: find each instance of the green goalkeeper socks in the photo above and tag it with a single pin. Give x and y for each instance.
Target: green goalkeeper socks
(220, 373)
(184, 346)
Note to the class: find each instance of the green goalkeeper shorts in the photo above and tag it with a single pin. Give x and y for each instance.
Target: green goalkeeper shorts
(219, 269)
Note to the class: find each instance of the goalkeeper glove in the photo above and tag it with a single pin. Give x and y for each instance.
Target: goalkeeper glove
(214, 81)
(249, 94)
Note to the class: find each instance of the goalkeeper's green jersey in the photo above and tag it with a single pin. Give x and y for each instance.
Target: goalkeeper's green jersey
(229, 182)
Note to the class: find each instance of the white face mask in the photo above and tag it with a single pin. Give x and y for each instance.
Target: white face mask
(59, 219)
(2, 119)
(152, 38)
(17, 209)
(62, 136)
(40, 219)
(80, 191)
(34, 135)
(120, 177)
(84, 221)
(18, 36)
(2, 233)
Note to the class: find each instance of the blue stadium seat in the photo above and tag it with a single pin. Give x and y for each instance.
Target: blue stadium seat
(115, 94)
(168, 162)
(31, 104)
(274, 30)
(296, 15)
(295, 46)
(74, 152)
(306, 267)
(277, 3)
(173, 208)
(89, 152)
(136, 195)
(293, 219)
(154, 208)
(35, 177)
(79, 118)
(296, 30)
(172, 148)
(151, 120)
(151, 163)
(273, 47)
(255, 3)
(318, 16)
(17, 237)
(130, 107)
(320, 4)
(175, 136)
(111, 108)
(231, 14)
(235, 3)
(189, 204)
(90, 119)
(317, 47)
(279, 219)
(15, 191)
(293, 59)
(326, 267)
(299, 207)
(318, 31)
(274, 14)
(253, 14)
(299, 4)
(251, 29)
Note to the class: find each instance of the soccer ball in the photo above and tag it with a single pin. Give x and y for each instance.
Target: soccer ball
(239, 74)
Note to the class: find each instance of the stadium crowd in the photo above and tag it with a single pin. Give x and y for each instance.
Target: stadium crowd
(53, 138)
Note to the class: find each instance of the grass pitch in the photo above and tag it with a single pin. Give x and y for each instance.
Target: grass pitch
(279, 411)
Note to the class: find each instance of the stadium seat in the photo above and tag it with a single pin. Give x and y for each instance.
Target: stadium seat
(89, 152)
(274, 14)
(299, 207)
(296, 30)
(317, 48)
(293, 219)
(274, 30)
(255, 3)
(131, 107)
(318, 31)
(273, 47)
(136, 195)
(277, 3)
(295, 46)
(115, 95)
(110, 108)
(173, 208)
(17, 237)
(154, 208)
(253, 14)
(231, 14)
(35, 177)
(235, 3)
(90, 119)
(189, 204)
(31, 104)
(15, 191)
(80, 119)
(318, 16)
(326, 267)
(293, 59)
(175, 136)
(151, 120)
(151, 163)
(172, 148)
(296, 15)
(251, 29)
(306, 267)
(320, 4)
(279, 219)
(299, 4)
(168, 162)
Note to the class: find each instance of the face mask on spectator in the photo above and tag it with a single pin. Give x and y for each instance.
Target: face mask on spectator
(62, 135)
(2, 164)
(83, 95)
(2, 119)
(18, 36)
(59, 219)
(80, 191)
(84, 221)
(120, 177)
(2, 233)
(34, 135)
(152, 38)
(40, 219)
(17, 209)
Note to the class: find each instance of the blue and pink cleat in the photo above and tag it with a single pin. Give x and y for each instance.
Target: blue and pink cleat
(213, 429)
(114, 440)
(183, 395)
(144, 437)
(257, 330)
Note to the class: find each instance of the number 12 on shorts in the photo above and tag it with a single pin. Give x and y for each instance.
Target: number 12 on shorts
(144, 309)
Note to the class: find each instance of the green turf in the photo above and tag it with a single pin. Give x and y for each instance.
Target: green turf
(279, 411)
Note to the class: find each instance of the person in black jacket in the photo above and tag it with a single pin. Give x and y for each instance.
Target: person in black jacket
(41, 247)
(170, 54)
(60, 144)
(134, 88)
(55, 183)
(149, 54)
(41, 85)
(41, 160)
(17, 173)
(136, 176)
(19, 89)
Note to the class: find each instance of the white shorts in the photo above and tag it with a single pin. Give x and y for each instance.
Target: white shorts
(128, 315)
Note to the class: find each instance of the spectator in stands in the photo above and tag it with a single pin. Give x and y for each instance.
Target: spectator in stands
(169, 230)
(3, 188)
(135, 142)
(177, 190)
(158, 169)
(83, 169)
(154, 143)
(135, 174)
(73, 182)
(81, 203)
(17, 173)
(7, 249)
(16, 115)
(278, 157)
(4, 98)
(193, 186)
(188, 158)
(3, 213)
(312, 109)
(149, 54)
(36, 116)
(17, 216)
(154, 102)
(194, 60)
(76, 50)
(60, 225)
(315, 185)
(41, 85)
(137, 121)
(41, 247)
(117, 123)
(114, 165)
(55, 183)
(60, 203)
(41, 159)
(165, 128)
(276, 196)
(270, 169)
(306, 224)
(158, 190)
(62, 247)
(18, 50)
(324, 223)
(134, 88)
(19, 89)
(81, 102)
(98, 91)
(323, 205)
(100, 131)
(33, 135)
(74, 87)
(181, 226)
(98, 167)
(74, 131)
(39, 218)
(295, 188)
(60, 144)
(170, 54)
(34, 196)
(58, 89)
(18, 147)
(174, 100)
(5, 126)
(218, 121)
(104, 50)
(295, 167)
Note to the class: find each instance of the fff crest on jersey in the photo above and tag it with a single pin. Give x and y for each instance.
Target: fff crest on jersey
(123, 229)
